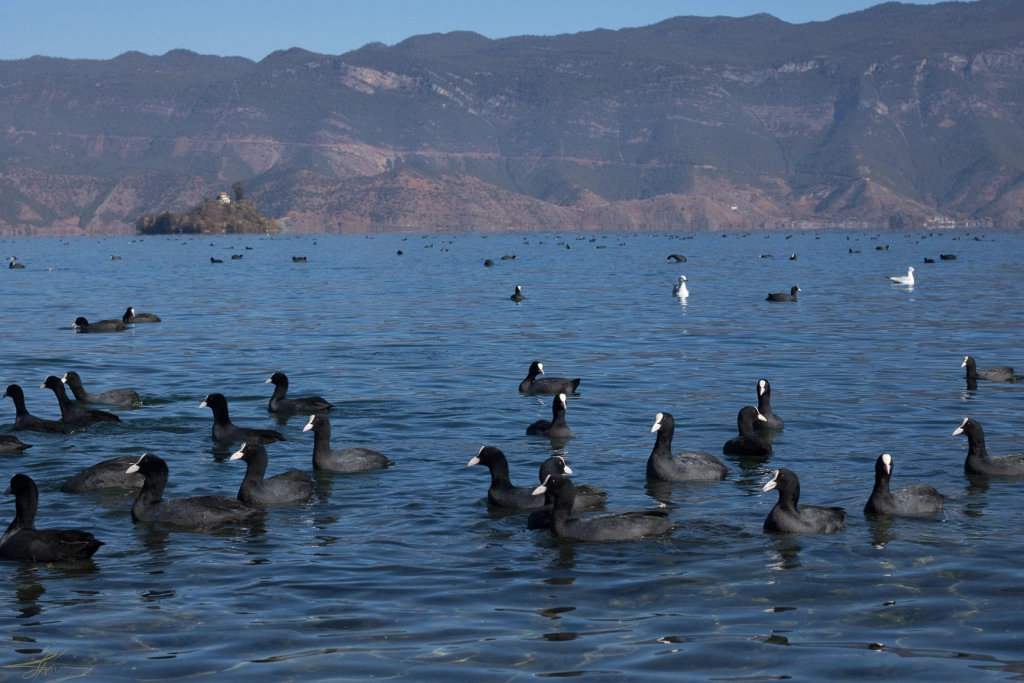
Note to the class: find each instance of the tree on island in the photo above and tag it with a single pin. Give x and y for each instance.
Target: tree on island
(239, 190)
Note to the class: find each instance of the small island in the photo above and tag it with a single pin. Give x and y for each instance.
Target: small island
(214, 216)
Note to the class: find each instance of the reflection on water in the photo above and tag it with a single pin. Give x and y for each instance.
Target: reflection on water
(880, 527)
(27, 595)
(785, 553)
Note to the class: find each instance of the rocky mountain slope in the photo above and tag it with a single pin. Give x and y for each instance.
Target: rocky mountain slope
(888, 116)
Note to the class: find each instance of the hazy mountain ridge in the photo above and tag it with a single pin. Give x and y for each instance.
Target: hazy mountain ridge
(895, 113)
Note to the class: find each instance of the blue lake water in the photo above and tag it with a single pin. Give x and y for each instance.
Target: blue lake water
(406, 574)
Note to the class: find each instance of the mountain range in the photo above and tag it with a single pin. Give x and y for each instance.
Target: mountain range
(891, 116)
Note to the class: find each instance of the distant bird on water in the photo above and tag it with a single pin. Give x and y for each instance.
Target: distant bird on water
(998, 373)
(130, 317)
(679, 289)
(124, 397)
(282, 405)
(110, 325)
(552, 386)
(782, 296)
(225, 431)
(518, 294)
(907, 279)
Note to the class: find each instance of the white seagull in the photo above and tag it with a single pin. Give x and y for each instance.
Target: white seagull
(680, 289)
(907, 279)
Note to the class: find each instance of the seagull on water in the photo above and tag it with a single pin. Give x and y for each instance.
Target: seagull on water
(907, 279)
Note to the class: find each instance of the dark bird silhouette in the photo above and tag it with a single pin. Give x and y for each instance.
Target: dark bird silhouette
(293, 486)
(12, 445)
(24, 420)
(586, 494)
(764, 406)
(783, 296)
(226, 432)
(620, 526)
(196, 512)
(549, 386)
(282, 405)
(684, 466)
(111, 325)
(22, 541)
(118, 397)
(747, 443)
(354, 459)
(501, 492)
(556, 428)
(998, 373)
(789, 517)
(74, 414)
(130, 317)
(979, 461)
(108, 474)
(919, 499)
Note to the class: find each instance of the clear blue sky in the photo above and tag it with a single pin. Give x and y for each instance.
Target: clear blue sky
(254, 28)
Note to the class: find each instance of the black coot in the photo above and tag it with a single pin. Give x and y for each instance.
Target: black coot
(226, 432)
(24, 420)
(783, 296)
(764, 406)
(108, 474)
(747, 443)
(293, 486)
(282, 405)
(130, 317)
(549, 386)
(556, 428)
(620, 526)
(998, 373)
(501, 491)
(22, 541)
(74, 414)
(115, 397)
(919, 499)
(683, 466)
(111, 325)
(789, 517)
(344, 460)
(979, 461)
(195, 512)
(12, 445)
(586, 495)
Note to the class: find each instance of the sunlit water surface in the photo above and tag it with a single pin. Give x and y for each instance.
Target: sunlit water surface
(406, 573)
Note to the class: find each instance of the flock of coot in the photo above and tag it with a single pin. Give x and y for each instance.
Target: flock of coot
(555, 504)
(149, 473)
